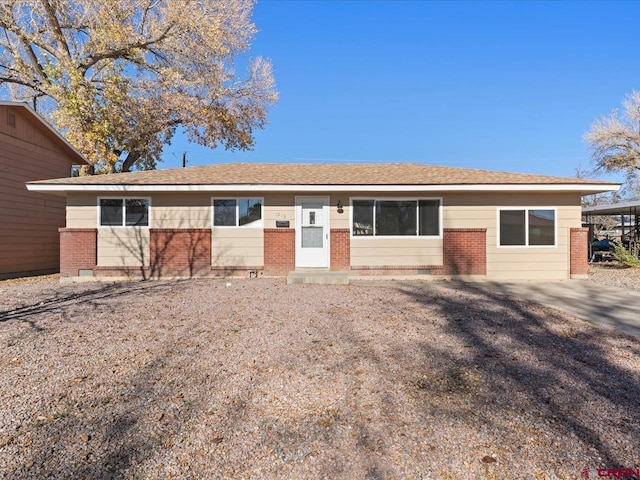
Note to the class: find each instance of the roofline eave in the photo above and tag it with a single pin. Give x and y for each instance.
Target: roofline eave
(583, 189)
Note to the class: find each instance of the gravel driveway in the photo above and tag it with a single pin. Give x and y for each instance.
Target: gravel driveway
(256, 380)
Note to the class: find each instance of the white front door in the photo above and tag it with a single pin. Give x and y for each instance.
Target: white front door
(312, 232)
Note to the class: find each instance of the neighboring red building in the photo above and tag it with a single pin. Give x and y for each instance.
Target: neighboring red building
(30, 149)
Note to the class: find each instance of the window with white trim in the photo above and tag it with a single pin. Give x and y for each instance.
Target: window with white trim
(527, 227)
(124, 212)
(237, 212)
(395, 217)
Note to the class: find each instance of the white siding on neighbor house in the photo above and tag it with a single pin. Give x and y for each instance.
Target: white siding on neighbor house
(123, 246)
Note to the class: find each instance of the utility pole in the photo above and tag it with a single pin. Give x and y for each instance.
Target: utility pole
(184, 159)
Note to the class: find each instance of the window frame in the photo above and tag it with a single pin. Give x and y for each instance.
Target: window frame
(256, 224)
(398, 199)
(124, 212)
(526, 226)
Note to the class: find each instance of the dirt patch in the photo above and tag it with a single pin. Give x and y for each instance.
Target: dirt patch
(197, 379)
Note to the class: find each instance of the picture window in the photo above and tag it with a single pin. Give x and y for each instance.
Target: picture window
(527, 227)
(237, 212)
(124, 212)
(391, 217)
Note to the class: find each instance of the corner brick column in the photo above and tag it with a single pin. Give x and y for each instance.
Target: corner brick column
(78, 250)
(180, 252)
(340, 249)
(465, 251)
(279, 250)
(579, 252)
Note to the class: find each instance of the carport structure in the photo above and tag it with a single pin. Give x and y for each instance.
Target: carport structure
(629, 213)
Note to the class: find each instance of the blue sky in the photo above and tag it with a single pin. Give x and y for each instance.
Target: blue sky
(497, 85)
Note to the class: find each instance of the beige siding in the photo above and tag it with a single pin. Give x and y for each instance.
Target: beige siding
(339, 220)
(29, 221)
(245, 246)
(533, 263)
(237, 247)
(82, 210)
(476, 210)
(167, 210)
(396, 251)
(123, 247)
(279, 207)
(517, 263)
(179, 210)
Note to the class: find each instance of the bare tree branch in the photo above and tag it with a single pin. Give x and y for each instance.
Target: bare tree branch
(50, 9)
(615, 139)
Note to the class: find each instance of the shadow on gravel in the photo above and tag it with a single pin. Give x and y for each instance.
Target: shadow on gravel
(531, 354)
(604, 305)
(114, 434)
(60, 300)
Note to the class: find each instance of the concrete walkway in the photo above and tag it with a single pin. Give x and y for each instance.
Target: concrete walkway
(609, 306)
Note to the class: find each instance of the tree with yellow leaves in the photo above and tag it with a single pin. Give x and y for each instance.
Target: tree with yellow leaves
(118, 77)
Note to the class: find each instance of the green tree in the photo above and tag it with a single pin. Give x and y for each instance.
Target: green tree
(118, 77)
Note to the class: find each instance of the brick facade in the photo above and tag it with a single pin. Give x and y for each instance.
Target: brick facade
(340, 249)
(579, 252)
(279, 250)
(184, 252)
(132, 273)
(78, 250)
(398, 269)
(465, 251)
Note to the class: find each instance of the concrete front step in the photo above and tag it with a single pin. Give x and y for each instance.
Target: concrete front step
(324, 277)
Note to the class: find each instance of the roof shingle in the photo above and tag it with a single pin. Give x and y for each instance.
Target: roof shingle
(319, 174)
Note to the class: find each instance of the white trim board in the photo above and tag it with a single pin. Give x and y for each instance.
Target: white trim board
(584, 188)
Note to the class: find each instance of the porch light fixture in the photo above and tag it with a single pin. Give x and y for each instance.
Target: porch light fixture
(340, 209)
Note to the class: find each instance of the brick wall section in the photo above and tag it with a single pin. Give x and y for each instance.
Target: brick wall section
(340, 249)
(579, 251)
(397, 270)
(465, 251)
(78, 250)
(279, 250)
(183, 252)
(131, 273)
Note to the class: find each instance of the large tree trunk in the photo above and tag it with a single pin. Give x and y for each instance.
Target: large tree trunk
(131, 159)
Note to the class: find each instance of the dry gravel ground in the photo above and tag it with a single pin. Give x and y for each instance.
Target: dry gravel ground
(259, 380)
(611, 273)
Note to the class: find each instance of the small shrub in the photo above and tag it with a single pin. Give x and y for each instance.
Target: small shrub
(625, 257)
